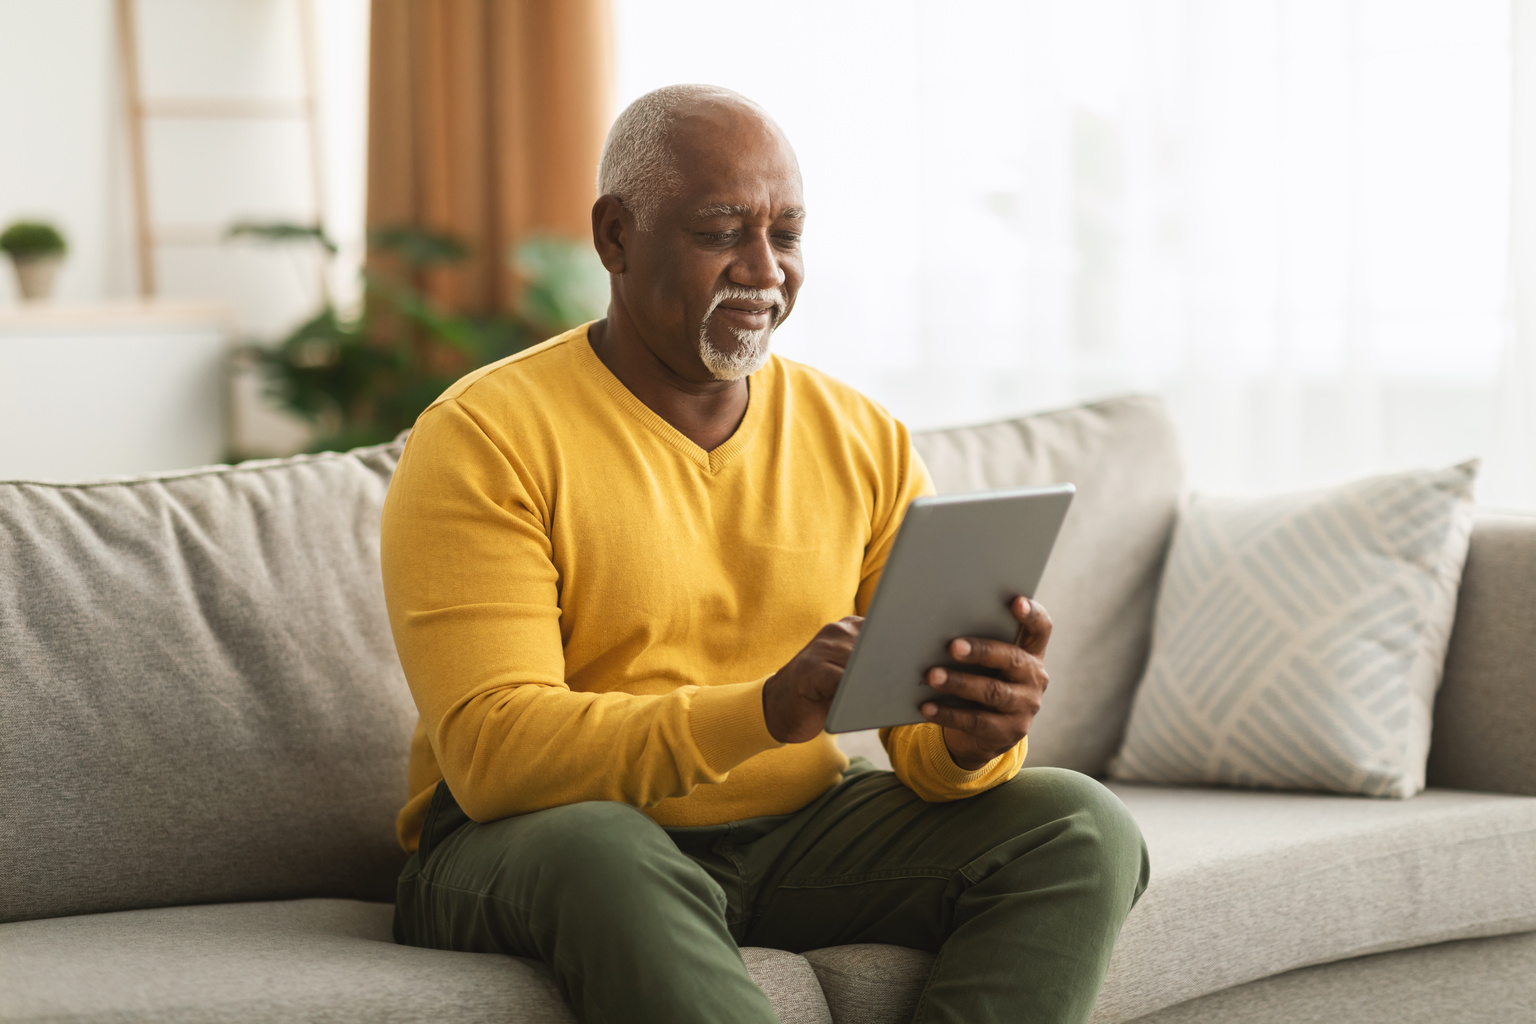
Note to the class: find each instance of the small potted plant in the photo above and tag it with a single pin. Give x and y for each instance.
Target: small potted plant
(35, 249)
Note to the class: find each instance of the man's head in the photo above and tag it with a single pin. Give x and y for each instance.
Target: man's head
(698, 221)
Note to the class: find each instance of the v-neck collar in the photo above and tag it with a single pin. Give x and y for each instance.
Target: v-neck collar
(710, 461)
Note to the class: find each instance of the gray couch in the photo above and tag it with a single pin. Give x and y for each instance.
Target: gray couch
(202, 748)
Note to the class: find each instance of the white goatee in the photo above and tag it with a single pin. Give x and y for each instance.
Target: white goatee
(752, 352)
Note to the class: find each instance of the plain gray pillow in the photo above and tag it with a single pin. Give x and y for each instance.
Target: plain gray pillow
(201, 699)
(1101, 582)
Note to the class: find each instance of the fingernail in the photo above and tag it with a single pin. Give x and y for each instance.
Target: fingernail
(962, 648)
(929, 710)
(938, 677)
(1025, 602)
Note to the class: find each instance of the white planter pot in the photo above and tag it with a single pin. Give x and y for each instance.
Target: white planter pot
(34, 276)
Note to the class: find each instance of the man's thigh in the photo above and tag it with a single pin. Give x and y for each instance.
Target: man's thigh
(511, 886)
(872, 862)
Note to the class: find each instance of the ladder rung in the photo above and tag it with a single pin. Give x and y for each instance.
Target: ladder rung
(216, 108)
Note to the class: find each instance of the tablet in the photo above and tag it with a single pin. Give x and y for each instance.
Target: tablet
(957, 563)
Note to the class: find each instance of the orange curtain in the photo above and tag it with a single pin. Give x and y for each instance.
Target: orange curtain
(486, 119)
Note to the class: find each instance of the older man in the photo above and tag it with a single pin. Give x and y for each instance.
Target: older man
(625, 570)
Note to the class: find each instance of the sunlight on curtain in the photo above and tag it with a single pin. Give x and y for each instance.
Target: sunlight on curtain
(1291, 219)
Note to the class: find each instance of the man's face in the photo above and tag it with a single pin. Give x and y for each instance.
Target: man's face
(719, 267)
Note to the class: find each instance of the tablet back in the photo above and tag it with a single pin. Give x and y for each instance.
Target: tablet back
(957, 563)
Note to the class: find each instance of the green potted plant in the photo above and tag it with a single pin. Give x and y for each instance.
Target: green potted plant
(362, 378)
(35, 249)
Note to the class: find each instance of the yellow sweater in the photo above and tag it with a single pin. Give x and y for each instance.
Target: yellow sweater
(587, 604)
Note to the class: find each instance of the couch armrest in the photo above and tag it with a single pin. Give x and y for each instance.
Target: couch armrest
(1484, 734)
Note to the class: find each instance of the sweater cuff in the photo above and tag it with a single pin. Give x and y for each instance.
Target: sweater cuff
(935, 753)
(728, 724)
(945, 772)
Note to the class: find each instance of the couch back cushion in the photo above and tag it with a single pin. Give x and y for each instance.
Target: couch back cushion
(1485, 712)
(199, 695)
(1102, 579)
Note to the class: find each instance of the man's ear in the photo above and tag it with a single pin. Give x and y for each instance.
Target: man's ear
(611, 226)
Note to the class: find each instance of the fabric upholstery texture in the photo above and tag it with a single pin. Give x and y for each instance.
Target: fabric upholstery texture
(1475, 981)
(1485, 713)
(1249, 884)
(1299, 639)
(319, 959)
(1244, 886)
(201, 697)
(1101, 582)
(870, 983)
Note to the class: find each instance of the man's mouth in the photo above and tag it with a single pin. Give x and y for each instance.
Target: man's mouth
(746, 310)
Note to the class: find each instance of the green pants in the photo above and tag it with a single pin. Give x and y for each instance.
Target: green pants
(1020, 891)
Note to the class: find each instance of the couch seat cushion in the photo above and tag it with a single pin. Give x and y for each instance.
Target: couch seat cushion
(301, 960)
(1490, 981)
(1246, 885)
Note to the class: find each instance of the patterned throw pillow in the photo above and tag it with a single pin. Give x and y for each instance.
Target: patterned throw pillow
(1299, 640)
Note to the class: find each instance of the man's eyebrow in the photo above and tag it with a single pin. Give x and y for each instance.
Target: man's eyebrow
(741, 210)
(723, 210)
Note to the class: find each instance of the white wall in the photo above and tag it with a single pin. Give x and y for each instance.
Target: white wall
(59, 154)
(63, 153)
(64, 158)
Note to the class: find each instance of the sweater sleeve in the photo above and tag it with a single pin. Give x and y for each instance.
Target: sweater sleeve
(473, 599)
(918, 754)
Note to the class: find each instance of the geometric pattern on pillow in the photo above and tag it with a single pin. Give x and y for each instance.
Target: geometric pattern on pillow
(1299, 640)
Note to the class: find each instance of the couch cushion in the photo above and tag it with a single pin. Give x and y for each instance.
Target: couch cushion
(1102, 579)
(1488, 981)
(1246, 885)
(330, 960)
(1485, 713)
(869, 983)
(201, 697)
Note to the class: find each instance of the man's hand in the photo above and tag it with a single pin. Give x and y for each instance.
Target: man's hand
(798, 696)
(1011, 699)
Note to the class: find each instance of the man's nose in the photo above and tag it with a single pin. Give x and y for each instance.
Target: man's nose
(757, 265)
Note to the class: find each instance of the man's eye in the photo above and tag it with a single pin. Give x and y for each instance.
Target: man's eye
(720, 237)
(788, 241)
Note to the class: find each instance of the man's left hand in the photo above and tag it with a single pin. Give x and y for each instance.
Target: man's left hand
(1009, 700)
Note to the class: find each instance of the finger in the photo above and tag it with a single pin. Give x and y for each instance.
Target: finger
(848, 626)
(989, 728)
(825, 681)
(992, 653)
(834, 651)
(1034, 625)
(985, 690)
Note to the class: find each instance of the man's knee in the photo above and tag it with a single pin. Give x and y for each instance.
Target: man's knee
(1086, 816)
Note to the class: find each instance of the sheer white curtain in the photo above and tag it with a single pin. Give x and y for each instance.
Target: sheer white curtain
(1291, 218)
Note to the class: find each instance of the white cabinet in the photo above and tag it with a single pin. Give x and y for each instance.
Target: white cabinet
(91, 392)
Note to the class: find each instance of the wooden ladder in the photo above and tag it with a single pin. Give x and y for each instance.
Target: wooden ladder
(149, 235)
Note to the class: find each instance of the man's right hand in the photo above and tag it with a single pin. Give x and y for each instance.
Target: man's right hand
(798, 696)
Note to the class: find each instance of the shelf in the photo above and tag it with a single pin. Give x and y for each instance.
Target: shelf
(64, 318)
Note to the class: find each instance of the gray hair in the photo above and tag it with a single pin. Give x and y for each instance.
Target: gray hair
(637, 165)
